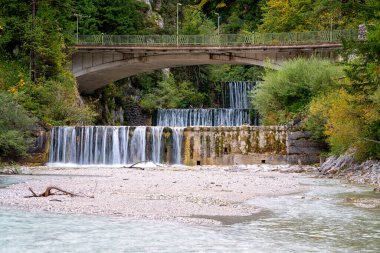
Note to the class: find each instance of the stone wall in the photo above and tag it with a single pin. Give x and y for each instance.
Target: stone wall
(301, 149)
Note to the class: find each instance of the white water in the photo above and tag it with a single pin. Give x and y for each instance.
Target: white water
(236, 94)
(111, 145)
(177, 135)
(138, 145)
(156, 133)
(315, 221)
(202, 117)
(236, 111)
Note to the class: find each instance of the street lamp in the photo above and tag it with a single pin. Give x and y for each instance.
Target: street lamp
(79, 16)
(178, 4)
(218, 21)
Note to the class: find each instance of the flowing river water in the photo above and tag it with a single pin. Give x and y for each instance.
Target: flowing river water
(319, 220)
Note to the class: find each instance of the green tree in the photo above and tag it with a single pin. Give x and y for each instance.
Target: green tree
(170, 94)
(122, 16)
(222, 73)
(235, 15)
(286, 16)
(307, 15)
(196, 22)
(47, 35)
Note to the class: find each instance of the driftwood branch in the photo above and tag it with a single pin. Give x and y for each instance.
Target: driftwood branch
(135, 167)
(93, 192)
(48, 192)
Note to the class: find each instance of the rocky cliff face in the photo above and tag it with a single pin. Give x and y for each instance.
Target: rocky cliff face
(39, 150)
(154, 6)
(345, 166)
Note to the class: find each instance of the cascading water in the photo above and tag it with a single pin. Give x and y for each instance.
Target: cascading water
(236, 94)
(156, 133)
(202, 117)
(110, 145)
(177, 134)
(138, 145)
(237, 110)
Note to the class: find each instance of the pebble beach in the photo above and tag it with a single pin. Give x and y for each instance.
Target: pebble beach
(174, 193)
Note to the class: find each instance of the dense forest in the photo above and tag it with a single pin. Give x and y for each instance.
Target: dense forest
(339, 103)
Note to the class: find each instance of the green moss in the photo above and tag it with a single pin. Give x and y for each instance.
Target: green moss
(256, 142)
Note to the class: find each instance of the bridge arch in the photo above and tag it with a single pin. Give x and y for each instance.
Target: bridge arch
(95, 67)
(101, 59)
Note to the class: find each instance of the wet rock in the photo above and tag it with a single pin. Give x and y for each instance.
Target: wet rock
(363, 202)
(9, 171)
(38, 151)
(332, 171)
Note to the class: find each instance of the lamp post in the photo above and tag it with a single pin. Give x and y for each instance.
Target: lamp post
(178, 4)
(79, 16)
(218, 21)
(331, 28)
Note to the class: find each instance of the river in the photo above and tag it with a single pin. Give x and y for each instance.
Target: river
(319, 220)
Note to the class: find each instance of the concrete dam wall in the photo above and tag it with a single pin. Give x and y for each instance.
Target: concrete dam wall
(248, 145)
(112, 145)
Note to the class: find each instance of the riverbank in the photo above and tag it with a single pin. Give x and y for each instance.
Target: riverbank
(183, 194)
(346, 168)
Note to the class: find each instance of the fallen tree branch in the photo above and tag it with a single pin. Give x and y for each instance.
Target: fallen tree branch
(133, 165)
(93, 192)
(48, 192)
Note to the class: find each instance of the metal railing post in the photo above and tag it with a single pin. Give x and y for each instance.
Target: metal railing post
(331, 36)
(102, 38)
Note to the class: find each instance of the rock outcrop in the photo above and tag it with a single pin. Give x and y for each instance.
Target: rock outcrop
(345, 166)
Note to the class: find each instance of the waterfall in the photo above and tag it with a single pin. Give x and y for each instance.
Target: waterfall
(177, 134)
(156, 133)
(202, 117)
(236, 94)
(124, 140)
(138, 145)
(118, 145)
(237, 110)
(112, 145)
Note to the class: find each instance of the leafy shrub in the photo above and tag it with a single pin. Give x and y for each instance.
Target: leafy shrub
(284, 95)
(343, 126)
(56, 101)
(15, 124)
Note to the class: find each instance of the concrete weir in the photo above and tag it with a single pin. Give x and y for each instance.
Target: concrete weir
(248, 145)
(206, 145)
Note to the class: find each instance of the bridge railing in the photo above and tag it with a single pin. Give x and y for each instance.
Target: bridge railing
(292, 38)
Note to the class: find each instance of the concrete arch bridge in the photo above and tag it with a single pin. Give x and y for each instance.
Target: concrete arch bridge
(101, 59)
